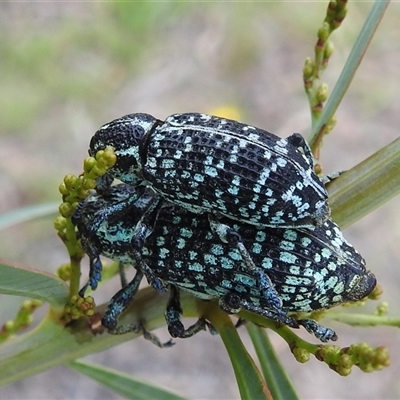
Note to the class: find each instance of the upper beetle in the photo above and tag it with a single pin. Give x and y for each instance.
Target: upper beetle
(215, 165)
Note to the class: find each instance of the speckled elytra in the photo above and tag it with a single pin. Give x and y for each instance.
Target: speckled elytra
(209, 164)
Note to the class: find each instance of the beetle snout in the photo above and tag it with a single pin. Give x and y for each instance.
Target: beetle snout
(365, 285)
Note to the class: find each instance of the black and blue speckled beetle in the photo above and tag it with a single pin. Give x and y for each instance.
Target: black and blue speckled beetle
(210, 164)
(207, 164)
(310, 269)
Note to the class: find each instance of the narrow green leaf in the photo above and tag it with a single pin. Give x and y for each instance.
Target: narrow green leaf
(22, 281)
(250, 383)
(352, 63)
(274, 373)
(249, 380)
(27, 214)
(52, 343)
(365, 187)
(122, 383)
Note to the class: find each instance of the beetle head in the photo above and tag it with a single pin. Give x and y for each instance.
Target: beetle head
(361, 286)
(125, 135)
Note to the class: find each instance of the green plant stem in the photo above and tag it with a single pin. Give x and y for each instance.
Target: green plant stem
(363, 319)
(75, 260)
(357, 52)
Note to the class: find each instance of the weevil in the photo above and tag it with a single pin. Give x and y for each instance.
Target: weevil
(310, 268)
(219, 167)
(209, 164)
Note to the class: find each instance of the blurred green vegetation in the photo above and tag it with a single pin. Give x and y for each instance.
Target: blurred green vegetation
(83, 58)
(87, 54)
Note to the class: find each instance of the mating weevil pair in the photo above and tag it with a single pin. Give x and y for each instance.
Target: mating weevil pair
(216, 166)
(229, 173)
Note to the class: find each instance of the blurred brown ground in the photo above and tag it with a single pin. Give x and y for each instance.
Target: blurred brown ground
(69, 67)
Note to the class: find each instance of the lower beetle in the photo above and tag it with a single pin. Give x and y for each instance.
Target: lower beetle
(310, 269)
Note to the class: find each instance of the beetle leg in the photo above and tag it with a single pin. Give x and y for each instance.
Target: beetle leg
(227, 235)
(331, 177)
(119, 303)
(122, 274)
(143, 230)
(232, 303)
(173, 314)
(95, 269)
(321, 332)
